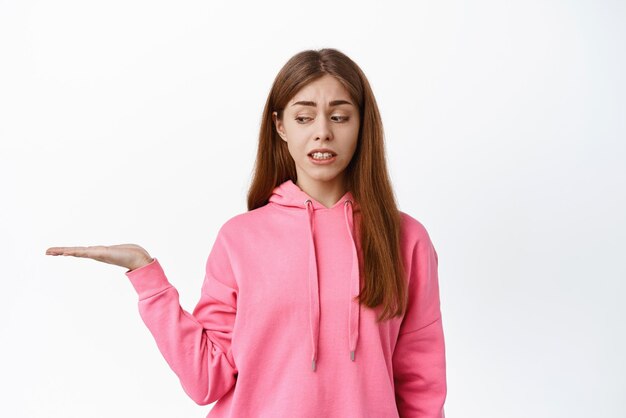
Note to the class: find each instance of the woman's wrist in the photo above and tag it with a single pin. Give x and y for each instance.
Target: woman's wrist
(142, 263)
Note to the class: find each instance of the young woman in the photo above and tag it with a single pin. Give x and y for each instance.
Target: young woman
(322, 300)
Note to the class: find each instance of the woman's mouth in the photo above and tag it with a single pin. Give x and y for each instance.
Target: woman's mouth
(322, 158)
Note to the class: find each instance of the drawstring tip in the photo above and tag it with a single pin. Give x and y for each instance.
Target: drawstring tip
(352, 355)
(313, 365)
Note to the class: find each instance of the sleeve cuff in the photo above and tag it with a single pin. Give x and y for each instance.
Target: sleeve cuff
(148, 280)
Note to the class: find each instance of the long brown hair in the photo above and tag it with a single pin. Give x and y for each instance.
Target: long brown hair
(383, 272)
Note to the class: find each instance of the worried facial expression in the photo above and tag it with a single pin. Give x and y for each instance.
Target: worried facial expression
(320, 116)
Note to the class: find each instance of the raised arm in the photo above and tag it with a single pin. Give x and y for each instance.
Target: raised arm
(196, 346)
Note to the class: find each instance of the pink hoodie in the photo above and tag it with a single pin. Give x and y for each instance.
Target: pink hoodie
(276, 332)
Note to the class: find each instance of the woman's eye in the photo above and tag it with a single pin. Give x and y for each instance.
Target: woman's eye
(340, 118)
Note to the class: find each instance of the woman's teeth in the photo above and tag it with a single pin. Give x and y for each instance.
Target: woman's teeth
(321, 155)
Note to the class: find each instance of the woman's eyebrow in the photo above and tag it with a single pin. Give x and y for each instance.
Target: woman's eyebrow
(330, 104)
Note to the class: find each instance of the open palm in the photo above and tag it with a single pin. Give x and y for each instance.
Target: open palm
(131, 256)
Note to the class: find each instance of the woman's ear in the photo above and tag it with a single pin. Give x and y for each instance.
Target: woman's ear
(279, 126)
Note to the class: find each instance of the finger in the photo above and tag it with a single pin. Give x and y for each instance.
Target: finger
(73, 251)
(57, 250)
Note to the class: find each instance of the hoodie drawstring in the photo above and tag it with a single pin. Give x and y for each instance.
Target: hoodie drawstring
(354, 312)
(314, 297)
(354, 315)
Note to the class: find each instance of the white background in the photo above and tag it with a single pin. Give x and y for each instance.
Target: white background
(137, 121)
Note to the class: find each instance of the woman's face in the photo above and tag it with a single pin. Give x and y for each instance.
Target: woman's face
(320, 115)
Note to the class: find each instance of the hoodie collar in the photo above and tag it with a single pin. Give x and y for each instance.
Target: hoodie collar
(291, 195)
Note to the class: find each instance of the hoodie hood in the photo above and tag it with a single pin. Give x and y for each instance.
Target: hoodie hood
(289, 194)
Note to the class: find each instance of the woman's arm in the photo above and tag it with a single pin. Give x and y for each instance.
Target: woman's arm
(196, 346)
(419, 363)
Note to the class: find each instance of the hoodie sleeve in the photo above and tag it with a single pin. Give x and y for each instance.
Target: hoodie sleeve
(196, 346)
(419, 364)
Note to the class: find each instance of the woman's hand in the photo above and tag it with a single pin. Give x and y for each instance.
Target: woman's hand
(130, 256)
